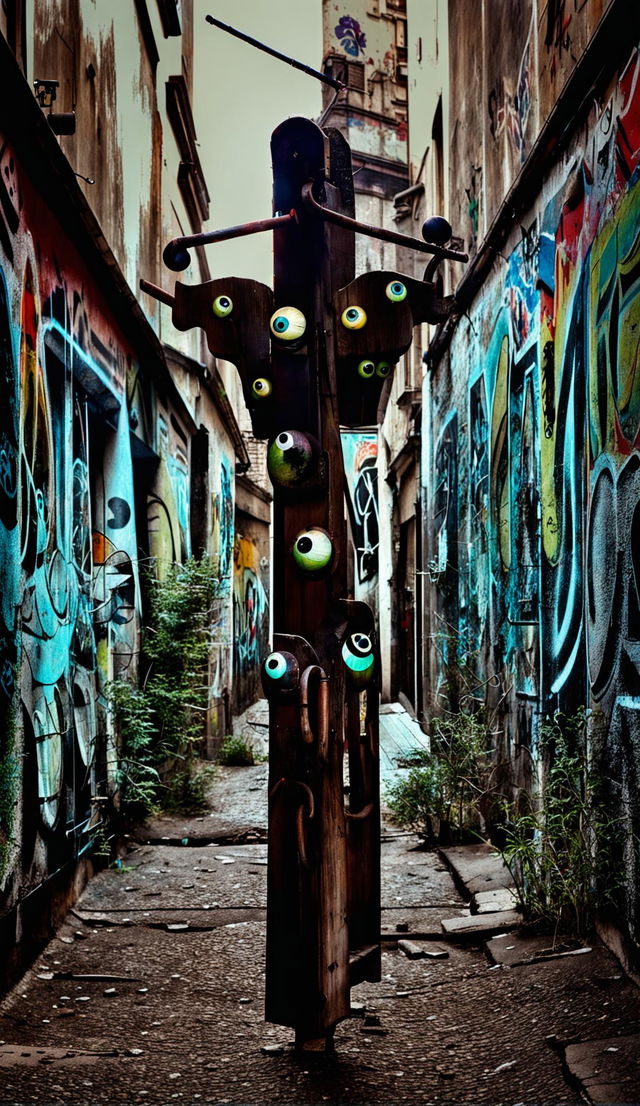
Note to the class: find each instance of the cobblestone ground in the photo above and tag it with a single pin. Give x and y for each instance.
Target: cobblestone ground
(174, 942)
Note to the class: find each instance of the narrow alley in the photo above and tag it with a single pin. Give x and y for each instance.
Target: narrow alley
(152, 991)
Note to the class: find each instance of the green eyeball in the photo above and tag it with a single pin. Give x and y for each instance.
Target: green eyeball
(358, 656)
(312, 550)
(280, 672)
(366, 369)
(290, 458)
(383, 369)
(261, 388)
(396, 291)
(354, 318)
(288, 324)
(222, 306)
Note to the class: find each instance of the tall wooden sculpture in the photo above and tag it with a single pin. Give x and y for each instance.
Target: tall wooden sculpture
(315, 353)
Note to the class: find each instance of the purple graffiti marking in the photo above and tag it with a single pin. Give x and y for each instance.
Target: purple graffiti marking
(350, 35)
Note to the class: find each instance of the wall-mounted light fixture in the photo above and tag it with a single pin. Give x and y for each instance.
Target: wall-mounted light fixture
(61, 122)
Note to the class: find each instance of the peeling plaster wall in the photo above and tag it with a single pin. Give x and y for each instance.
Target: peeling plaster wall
(532, 466)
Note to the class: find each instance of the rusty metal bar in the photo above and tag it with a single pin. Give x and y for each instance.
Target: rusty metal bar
(156, 292)
(360, 815)
(338, 85)
(176, 256)
(440, 252)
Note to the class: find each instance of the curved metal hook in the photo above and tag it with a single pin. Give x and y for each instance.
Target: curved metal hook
(323, 708)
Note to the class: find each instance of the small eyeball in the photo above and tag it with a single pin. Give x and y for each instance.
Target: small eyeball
(280, 672)
(383, 369)
(222, 306)
(312, 550)
(288, 324)
(354, 318)
(290, 458)
(396, 291)
(366, 369)
(358, 656)
(261, 388)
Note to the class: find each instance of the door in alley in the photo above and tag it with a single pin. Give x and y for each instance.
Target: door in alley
(405, 581)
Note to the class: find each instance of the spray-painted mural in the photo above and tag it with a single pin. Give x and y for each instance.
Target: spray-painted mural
(94, 480)
(534, 483)
(360, 452)
(250, 609)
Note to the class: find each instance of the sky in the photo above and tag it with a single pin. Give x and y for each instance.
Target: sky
(240, 95)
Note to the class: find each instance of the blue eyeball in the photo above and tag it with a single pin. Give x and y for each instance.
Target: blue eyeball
(280, 672)
(359, 658)
(396, 291)
(288, 324)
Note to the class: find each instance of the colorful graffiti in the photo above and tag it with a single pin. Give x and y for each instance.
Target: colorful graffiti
(360, 452)
(534, 531)
(350, 36)
(250, 620)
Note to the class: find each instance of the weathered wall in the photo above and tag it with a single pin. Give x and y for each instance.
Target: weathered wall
(250, 608)
(532, 472)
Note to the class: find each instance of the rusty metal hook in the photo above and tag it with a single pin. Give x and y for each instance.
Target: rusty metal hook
(323, 708)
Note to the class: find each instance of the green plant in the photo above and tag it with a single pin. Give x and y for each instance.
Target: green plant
(453, 784)
(564, 853)
(161, 723)
(235, 752)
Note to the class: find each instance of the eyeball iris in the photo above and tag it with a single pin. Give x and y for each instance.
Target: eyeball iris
(383, 369)
(280, 672)
(290, 458)
(288, 324)
(358, 656)
(312, 550)
(366, 369)
(222, 306)
(354, 318)
(261, 388)
(396, 291)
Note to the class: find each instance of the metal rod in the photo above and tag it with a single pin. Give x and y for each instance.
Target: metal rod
(157, 293)
(339, 85)
(441, 252)
(323, 705)
(174, 253)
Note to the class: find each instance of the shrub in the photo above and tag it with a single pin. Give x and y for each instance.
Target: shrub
(234, 752)
(565, 854)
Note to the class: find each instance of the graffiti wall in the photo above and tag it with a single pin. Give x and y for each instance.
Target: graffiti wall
(533, 483)
(69, 615)
(360, 452)
(250, 608)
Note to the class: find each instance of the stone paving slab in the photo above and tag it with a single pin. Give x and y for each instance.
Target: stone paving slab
(608, 1069)
(476, 868)
(488, 902)
(480, 925)
(510, 949)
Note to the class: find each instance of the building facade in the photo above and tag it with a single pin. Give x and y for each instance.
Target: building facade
(119, 445)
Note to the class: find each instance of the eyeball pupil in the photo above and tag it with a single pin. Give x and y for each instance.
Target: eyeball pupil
(223, 301)
(304, 545)
(272, 663)
(284, 441)
(281, 324)
(352, 313)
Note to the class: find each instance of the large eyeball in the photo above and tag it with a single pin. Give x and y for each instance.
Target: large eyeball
(222, 306)
(366, 369)
(280, 672)
(354, 318)
(261, 388)
(383, 369)
(396, 291)
(358, 656)
(290, 458)
(312, 550)
(288, 324)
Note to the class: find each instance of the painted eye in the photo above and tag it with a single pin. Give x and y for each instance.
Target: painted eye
(290, 458)
(288, 324)
(312, 550)
(383, 369)
(222, 306)
(358, 656)
(354, 318)
(280, 672)
(366, 369)
(396, 291)
(261, 388)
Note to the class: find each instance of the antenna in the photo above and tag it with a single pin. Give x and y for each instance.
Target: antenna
(338, 85)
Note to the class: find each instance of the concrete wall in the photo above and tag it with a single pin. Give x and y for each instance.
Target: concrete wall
(531, 462)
